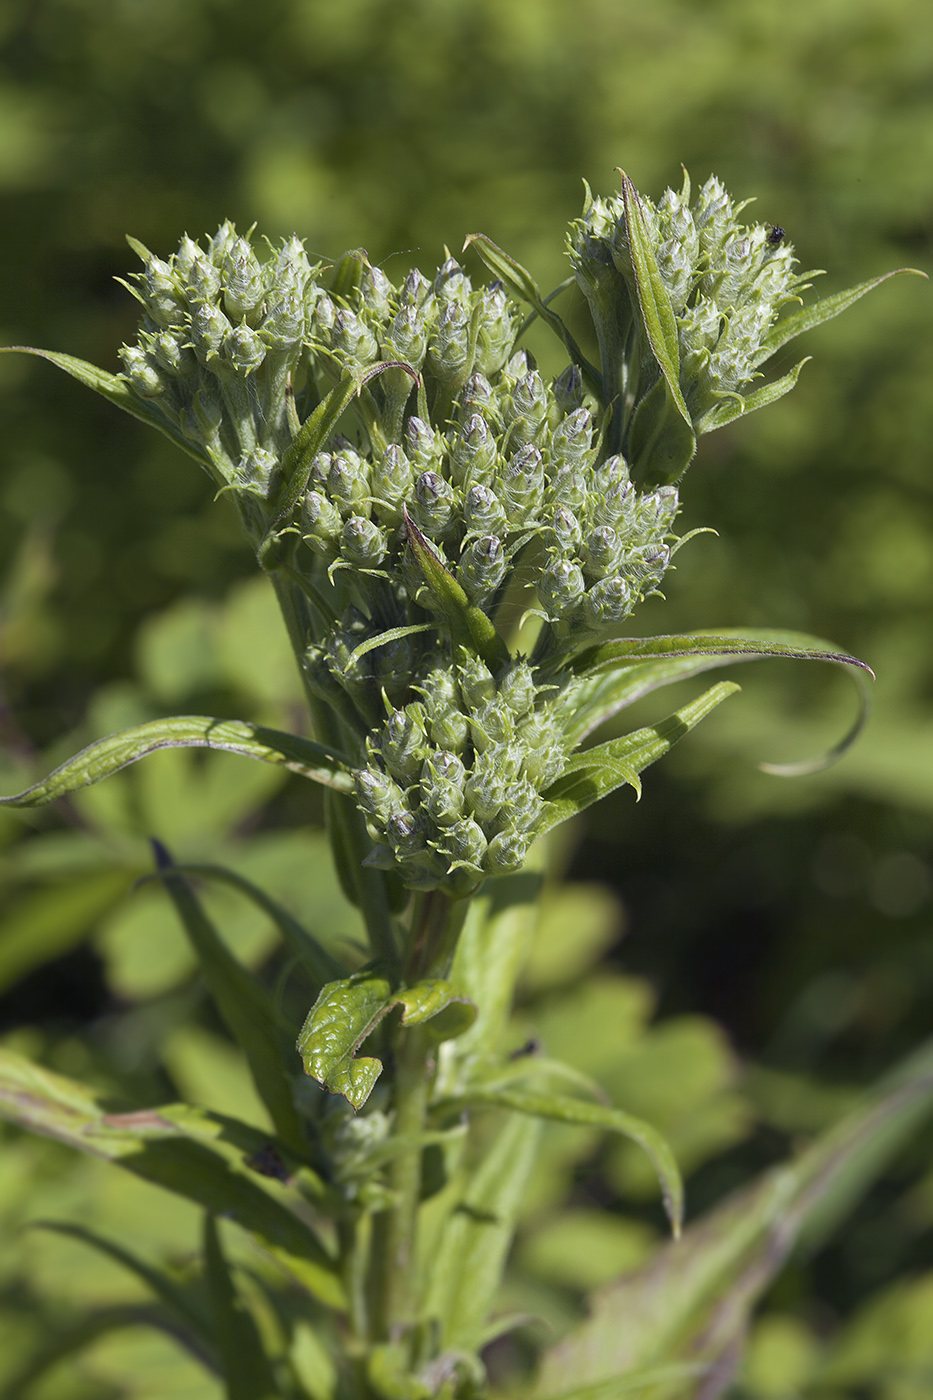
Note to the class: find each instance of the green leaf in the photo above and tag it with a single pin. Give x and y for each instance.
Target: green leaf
(809, 316)
(467, 1267)
(321, 965)
(656, 309)
(179, 1149)
(109, 755)
(244, 1004)
(660, 445)
(244, 1364)
(692, 1300)
(561, 1108)
(346, 1012)
(469, 626)
(738, 405)
(523, 285)
(632, 667)
(590, 775)
(183, 1304)
(112, 387)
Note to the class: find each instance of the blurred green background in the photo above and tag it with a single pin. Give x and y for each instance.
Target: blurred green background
(796, 914)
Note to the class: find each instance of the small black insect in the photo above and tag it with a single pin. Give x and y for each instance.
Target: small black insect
(776, 234)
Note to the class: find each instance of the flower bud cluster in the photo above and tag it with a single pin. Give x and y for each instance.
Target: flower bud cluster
(726, 282)
(451, 791)
(221, 337)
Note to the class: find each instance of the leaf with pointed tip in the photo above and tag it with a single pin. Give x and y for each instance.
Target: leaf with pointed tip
(99, 760)
(118, 392)
(346, 1012)
(469, 626)
(523, 285)
(174, 1155)
(466, 1269)
(594, 773)
(660, 445)
(617, 673)
(243, 1003)
(561, 1108)
(739, 405)
(809, 316)
(245, 1366)
(653, 298)
(691, 1301)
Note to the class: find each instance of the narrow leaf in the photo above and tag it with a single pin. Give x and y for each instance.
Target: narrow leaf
(244, 1364)
(112, 387)
(153, 1146)
(467, 1267)
(106, 756)
(738, 405)
(561, 1108)
(809, 316)
(656, 309)
(244, 1005)
(346, 1012)
(590, 775)
(692, 1300)
(523, 285)
(469, 626)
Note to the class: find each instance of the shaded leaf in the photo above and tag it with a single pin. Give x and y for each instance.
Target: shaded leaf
(346, 1012)
(244, 1364)
(176, 1148)
(692, 1301)
(99, 760)
(561, 1108)
(244, 1005)
(660, 445)
(469, 626)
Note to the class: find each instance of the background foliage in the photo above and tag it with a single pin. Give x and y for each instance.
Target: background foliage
(790, 920)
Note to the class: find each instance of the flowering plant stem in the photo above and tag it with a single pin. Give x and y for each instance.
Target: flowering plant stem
(408, 481)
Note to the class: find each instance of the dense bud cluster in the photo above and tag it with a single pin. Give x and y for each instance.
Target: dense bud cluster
(468, 483)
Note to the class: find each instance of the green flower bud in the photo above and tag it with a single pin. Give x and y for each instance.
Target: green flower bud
(141, 374)
(477, 397)
(452, 284)
(183, 261)
(496, 330)
(405, 833)
(375, 290)
(567, 531)
(243, 280)
(443, 801)
(493, 725)
(523, 486)
(203, 420)
(473, 453)
(464, 844)
(362, 543)
(517, 688)
(505, 853)
(560, 588)
(522, 807)
(408, 337)
(256, 468)
(656, 511)
(321, 522)
(433, 507)
(648, 565)
(445, 766)
(483, 513)
(391, 485)
(348, 483)
(404, 742)
(486, 787)
(320, 678)
(423, 445)
(292, 268)
(602, 551)
(352, 340)
(377, 795)
(244, 350)
(450, 730)
(543, 749)
(527, 410)
(416, 290)
(172, 355)
(606, 603)
(203, 279)
(482, 568)
(209, 330)
(449, 345)
(477, 685)
(568, 389)
(163, 293)
(283, 328)
(221, 243)
(572, 441)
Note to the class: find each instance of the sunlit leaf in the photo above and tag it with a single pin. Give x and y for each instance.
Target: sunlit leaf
(469, 626)
(809, 316)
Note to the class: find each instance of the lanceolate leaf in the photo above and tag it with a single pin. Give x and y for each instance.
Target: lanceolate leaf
(112, 387)
(244, 1004)
(467, 1268)
(615, 674)
(244, 1364)
(591, 775)
(691, 1301)
(738, 405)
(181, 1159)
(809, 316)
(346, 1012)
(469, 625)
(656, 309)
(523, 285)
(561, 1108)
(107, 756)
